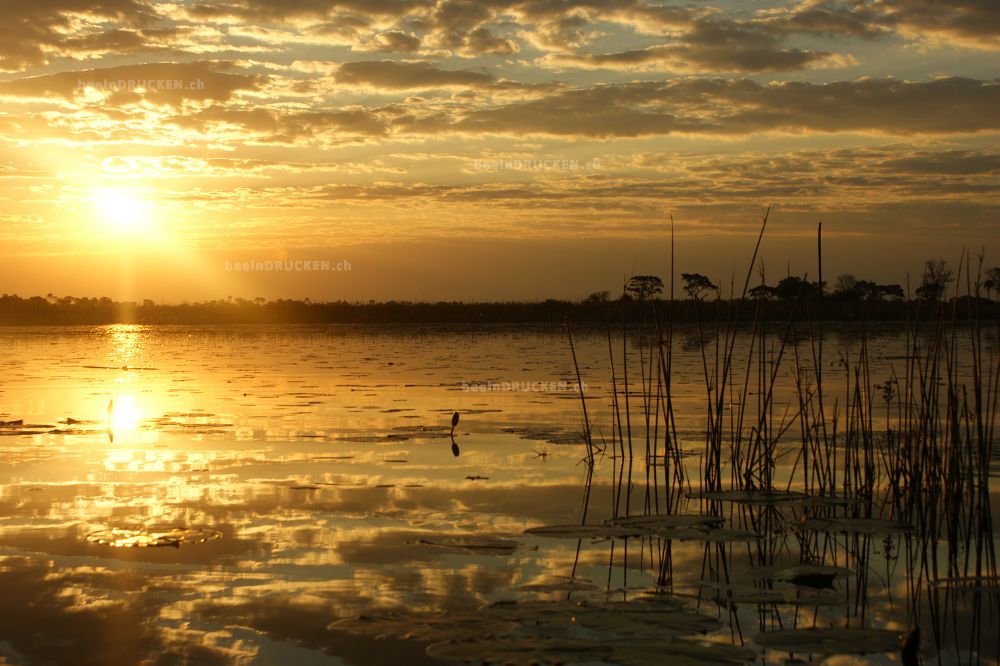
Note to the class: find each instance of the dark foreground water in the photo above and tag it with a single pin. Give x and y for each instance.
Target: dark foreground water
(291, 495)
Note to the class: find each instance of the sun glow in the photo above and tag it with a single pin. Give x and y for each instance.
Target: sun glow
(123, 211)
(123, 415)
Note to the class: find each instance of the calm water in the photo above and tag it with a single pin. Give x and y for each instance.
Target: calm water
(312, 472)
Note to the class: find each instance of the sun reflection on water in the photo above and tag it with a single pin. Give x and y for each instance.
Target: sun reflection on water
(124, 415)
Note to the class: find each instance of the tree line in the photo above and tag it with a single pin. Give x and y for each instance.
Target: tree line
(850, 298)
(935, 280)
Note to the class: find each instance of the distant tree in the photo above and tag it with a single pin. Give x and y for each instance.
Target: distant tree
(598, 297)
(893, 292)
(992, 282)
(696, 284)
(934, 280)
(867, 290)
(762, 292)
(644, 287)
(793, 287)
(846, 284)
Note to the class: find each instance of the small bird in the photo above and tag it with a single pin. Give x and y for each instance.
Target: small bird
(454, 445)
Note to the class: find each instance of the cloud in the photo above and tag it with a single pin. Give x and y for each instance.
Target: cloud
(261, 125)
(413, 75)
(482, 40)
(971, 22)
(32, 32)
(168, 83)
(394, 41)
(945, 162)
(283, 10)
(740, 106)
(708, 46)
(855, 18)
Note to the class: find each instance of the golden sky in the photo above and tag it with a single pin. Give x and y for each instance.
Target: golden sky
(488, 149)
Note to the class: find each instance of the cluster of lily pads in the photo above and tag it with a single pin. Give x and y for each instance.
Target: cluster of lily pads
(642, 631)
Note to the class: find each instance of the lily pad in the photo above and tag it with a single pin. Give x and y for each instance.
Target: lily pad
(855, 525)
(667, 521)
(585, 531)
(837, 640)
(472, 544)
(682, 653)
(560, 585)
(527, 652)
(755, 496)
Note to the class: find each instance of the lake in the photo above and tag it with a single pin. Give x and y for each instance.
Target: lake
(292, 495)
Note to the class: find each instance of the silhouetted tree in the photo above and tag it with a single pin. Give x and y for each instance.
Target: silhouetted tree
(893, 292)
(934, 280)
(793, 287)
(644, 287)
(846, 284)
(697, 284)
(762, 292)
(598, 297)
(851, 288)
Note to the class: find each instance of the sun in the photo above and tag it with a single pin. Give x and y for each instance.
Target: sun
(123, 414)
(123, 211)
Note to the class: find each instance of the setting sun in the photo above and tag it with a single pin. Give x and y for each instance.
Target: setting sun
(121, 210)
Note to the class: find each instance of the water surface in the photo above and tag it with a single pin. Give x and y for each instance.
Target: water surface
(282, 478)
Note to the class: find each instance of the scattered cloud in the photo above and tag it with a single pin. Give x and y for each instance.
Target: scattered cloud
(411, 75)
(164, 83)
(742, 106)
(33, 33)
(709, 46)
(394, 41)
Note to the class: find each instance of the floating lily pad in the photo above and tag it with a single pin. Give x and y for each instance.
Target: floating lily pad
(153, 537)
(562, 632)
(834, 500)
(585, 531)
(528, 651)
(373, 439)
(548, 436)
(559, 632)
(817, 576)
(836, 640)
(471, 543)
(405, 624)
(666, 521)
(755, 496)
(729, 596)
(968, 581)
(560, 585)
(720, 534)
(855, 525)
(682, 653)
(423, 431)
